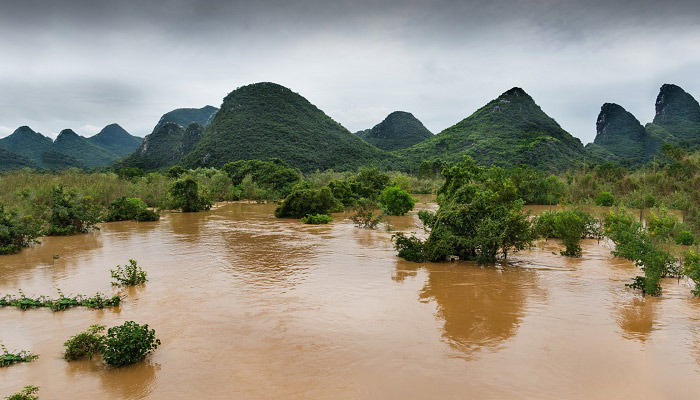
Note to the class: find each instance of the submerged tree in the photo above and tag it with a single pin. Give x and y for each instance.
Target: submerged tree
(480, 216)
(634, 243)
(16, 232)
(185, 193)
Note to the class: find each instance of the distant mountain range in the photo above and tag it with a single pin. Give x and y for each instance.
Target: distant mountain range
(68, 150)
(621, 137)
(266, 120)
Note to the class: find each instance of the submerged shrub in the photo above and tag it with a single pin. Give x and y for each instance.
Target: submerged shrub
(605, 199)
(302, 202)
(7, 358)
(16, 232)
(480, 216)
(71, 214)
(396, 201)
(130, 209)
(409, 248)
(365, 214)
(128, 343)
(569, 225)
(369, 183)
(27, 393)
(633, 243)
(129, 275)
(61, 303)
(85, 344)
(342, 191)
(317, 219)
(186, 197)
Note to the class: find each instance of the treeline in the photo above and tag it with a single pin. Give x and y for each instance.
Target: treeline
(34, 204)
(481, 218)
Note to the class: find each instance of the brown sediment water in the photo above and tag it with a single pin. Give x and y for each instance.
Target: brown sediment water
(252, 307)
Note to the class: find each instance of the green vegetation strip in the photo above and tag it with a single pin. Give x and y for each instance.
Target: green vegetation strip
(23, 302)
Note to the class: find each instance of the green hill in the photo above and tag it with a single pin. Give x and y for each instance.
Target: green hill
(9, 161)
(623, 136)
(79, 148)
(115, 139)
(27, 143)
(185, 116)
(678, 113)
(164, 147)
(266, 120)
(399, 130)
(507, 131)
(54, 160)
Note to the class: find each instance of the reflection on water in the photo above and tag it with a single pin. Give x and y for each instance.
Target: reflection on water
(637, 318)
(481, 307)
(252, 307)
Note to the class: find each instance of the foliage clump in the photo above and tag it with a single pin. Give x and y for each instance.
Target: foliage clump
(396, 201)
(691, 269)
(16, 232)
(27, 393)
(568, 225)
(366, 215)
(409, 247)
(605, 199)
(186, 196)
(130, 209)
(634, 243)
(274, 176)
(8, 358)
(303, 201)
(85, 344)
(128, 343)
(480, 216)
(685, 238)
(98, 301)
(128, 275)
(71, 213)
(317, 219)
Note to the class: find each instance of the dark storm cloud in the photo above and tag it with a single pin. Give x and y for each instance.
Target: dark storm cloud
(84, 64)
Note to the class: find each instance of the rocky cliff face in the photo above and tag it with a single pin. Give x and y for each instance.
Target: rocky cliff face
(678, 112)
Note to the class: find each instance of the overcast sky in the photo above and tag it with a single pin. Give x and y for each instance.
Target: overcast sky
(83, 64)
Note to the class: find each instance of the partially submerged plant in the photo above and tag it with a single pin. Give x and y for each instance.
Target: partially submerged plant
(7, 358)
(128, 275)
(316, 219)
(27, 393)
(85, 344)
(128, 343)
(61, 303)
(365, 214)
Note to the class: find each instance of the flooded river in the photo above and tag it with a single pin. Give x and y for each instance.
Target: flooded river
(252, 307)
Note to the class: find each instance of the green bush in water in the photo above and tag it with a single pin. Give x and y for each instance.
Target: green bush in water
(685, 238)
(7, 358)
(16, 232)
(27, 393)
(130, 209)
(605, 199)
(273, 176)
(480, 216)
(317, 219)
(409, 248)
(692, 270)
(569, 225)
(396, 201)
(186, 197)
(128, 343)
(129, 275)
(85, 344)
(365, 214)
(71, 214)
(302, 202)
(634, 243)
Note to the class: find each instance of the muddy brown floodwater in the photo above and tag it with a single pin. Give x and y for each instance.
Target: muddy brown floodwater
(251, 307)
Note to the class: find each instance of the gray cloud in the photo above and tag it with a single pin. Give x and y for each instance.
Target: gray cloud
(84, 64)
